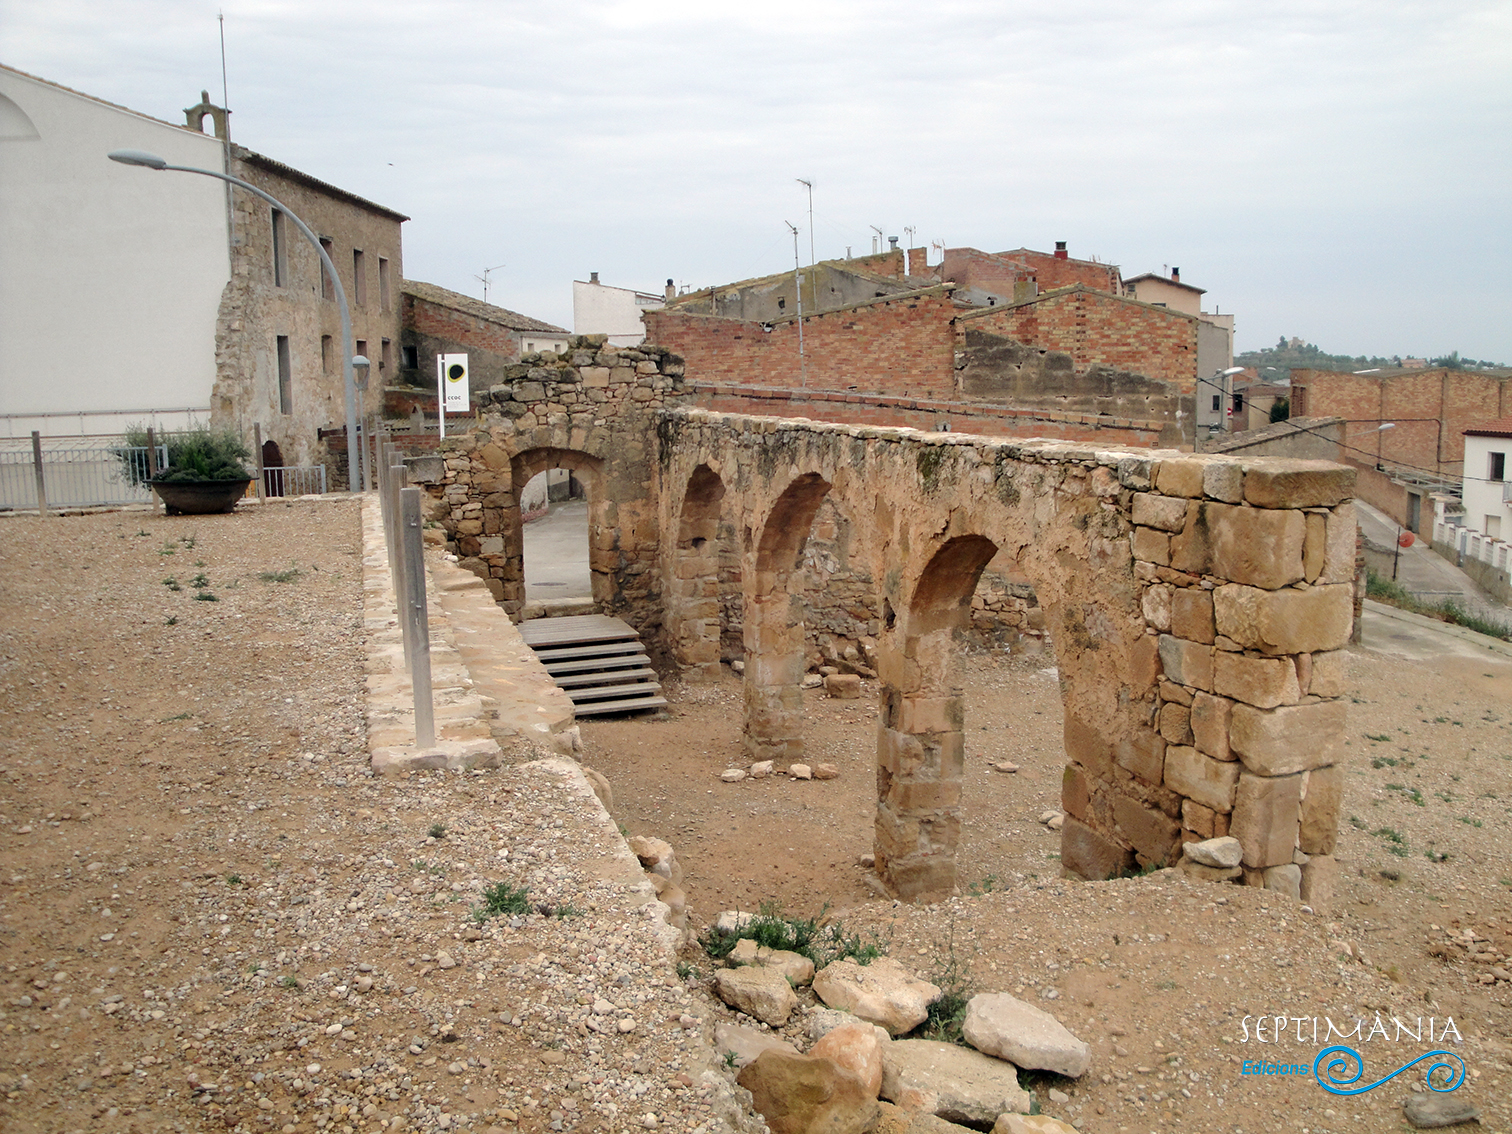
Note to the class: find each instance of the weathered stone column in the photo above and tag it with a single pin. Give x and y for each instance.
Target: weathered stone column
(920, 760)
(773, 677)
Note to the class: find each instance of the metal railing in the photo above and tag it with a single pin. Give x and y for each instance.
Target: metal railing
(406, 554)
(291, 480)
(74, 472)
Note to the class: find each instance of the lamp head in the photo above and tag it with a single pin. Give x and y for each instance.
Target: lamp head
(138, 157)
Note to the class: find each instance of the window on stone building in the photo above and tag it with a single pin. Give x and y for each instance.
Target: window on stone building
(383, 283)
(412, 358)
(327, 353)
(1238, 403)
(385, 355)
(285, 377)
(359, 278)
(1493, 527)
(280, 250)
(1498, 467)
(327, 288)
(1217, 402)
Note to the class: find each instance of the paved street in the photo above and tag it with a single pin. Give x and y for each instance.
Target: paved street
(556, 554)
(1424, 572)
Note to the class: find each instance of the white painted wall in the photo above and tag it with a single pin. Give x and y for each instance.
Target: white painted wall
(110, 276)
(598, 309)
(1482, 496)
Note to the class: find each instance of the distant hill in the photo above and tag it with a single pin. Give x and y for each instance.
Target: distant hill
(1276, 363)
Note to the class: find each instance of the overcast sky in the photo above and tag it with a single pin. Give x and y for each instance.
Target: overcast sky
(1338, 171)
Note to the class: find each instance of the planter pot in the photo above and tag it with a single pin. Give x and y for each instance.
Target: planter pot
(200, 497)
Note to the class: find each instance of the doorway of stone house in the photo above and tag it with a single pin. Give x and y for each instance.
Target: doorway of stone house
(554, 530)
(273, 469)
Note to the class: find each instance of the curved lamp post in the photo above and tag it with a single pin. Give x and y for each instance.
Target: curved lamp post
(356, 457)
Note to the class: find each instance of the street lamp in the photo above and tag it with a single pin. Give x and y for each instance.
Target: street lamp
(152, 161)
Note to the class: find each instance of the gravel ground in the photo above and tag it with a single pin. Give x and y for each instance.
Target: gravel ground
(212, 917)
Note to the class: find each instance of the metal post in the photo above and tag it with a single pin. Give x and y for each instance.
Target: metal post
(257, 444)
(397, 563)
(152, 467)
(414, 577)
(37, 469)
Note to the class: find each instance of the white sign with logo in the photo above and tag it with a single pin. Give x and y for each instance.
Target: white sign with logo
(454, 391)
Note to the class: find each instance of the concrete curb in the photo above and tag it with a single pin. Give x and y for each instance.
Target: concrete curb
(1493, 645)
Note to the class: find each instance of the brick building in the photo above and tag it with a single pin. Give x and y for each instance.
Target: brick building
(437, 321)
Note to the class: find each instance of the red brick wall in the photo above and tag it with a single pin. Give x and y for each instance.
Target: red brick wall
(903, 347)
(1096, 328)
(970, 267)
(923, 413)
(1053, 273)
(426, 318)
(1430, 410)
(879, 264)
(997, 271)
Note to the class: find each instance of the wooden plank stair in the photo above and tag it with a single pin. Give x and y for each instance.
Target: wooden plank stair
(597, 660)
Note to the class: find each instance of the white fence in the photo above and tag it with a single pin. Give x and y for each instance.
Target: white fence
(1473, 545)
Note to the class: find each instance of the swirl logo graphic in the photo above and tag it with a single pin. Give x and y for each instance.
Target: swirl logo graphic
(1335, 1063)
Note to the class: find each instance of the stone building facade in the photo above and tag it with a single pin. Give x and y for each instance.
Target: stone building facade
(438, 321)
(1197, 605)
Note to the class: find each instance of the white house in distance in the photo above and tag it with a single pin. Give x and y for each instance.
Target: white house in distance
(1488, 479)
(89, 341)
(1215, 344)
(598, 309)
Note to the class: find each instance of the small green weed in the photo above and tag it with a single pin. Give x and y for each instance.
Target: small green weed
(289, 981)
(1469, 821)
(201, 581)
(1378, 736)
(770, 930)
(205, 596)
(180, 717)
(729, 1060)
(279, 576)
(437, 831)
(985, 886)
(172, 620)
(686, 970)
(1357, 823)
(502, 899)
(233, 880)
(172, 584)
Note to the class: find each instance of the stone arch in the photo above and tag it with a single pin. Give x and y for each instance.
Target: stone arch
(589, 470)
(773, 628)
(920, 740)
(693, 588)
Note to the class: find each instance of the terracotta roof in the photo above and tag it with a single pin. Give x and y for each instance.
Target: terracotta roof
(241, 153)
(1502, 427)
(430, 293)
(1166, 280)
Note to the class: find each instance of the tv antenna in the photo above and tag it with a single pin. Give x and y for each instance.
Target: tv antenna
(809, 185)
(877, 243)
(484, 278)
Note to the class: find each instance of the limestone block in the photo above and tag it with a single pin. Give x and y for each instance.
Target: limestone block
(1223, 480)
(1293, 738)
(1286, 879)
(1153, 832)
(1286, 621)
(1181, 476)
(1143, 655)
(1090, 855)
(1323, 792)
(1175, 723)
(1223, 853)
(494, 456)
(1265, 817)
(882, 993)
(1296, 483)
(1262, 682)
(1142, 752)
(799, 1094)
(1210, 725)
(844, 686)
(1192, 547)
(1156, 604)
(1087, 746)
(1192, 615)
(1170, 691)
(1188, 663)
(1030, 1124)
(745, 1044)
(758, 992)
(1076, 792)
(1200, 873)
(1258, 546)
(857, 1047)
(1339, 546)
(1330, 674)
(955, 1083)
(1029, 1037)
(1152, 545)
(1197, 818)
(1314, 546)
(1210, 782)
(1164, 512)
(1320, 877)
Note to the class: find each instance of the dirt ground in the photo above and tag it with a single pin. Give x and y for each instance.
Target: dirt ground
(196, 876)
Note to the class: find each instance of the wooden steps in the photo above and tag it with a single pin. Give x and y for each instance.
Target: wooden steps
(597, 660)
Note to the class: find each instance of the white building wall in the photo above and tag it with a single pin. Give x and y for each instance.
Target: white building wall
(110, 276)
(1483, 496)
(598, 309)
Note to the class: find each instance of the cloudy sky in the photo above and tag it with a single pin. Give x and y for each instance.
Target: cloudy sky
(1339, 171)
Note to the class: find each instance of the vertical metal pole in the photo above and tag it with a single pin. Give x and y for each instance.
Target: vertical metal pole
(397, 563)
(37, 469)
(414, 577)
(257, 444)
(152, 467)
(441, 395)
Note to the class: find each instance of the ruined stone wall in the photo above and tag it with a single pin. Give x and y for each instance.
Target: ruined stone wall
(591, 410)
(1095, 328)
(1196, 606)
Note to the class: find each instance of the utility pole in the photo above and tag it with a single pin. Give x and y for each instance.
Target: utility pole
(879, 241)
(798, 282)
(809, 185)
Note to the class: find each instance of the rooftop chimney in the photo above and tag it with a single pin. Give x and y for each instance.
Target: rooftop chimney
(1175, 275)
(1060, 250)
(671, 291)
(593, 277)
(893, 240)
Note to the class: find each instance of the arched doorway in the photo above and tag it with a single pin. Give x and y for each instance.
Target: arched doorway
(704, 590)
(554, 539)
(581, 533)
(273, 469)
